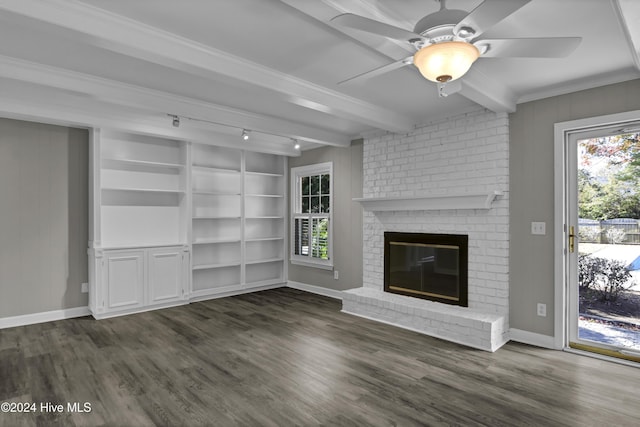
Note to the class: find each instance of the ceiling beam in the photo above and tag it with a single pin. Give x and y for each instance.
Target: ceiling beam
(628, 13)
(109, 91)
(487, 92)
(70, 109)
(136, 39)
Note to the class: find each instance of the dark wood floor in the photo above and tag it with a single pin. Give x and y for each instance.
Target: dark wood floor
(285, 357)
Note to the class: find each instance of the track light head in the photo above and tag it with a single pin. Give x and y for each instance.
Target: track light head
(296, 144)
(176, 120)
(245, 134)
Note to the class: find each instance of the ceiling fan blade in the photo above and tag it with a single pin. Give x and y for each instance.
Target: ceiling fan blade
(551, 47)
(489, 13)
(380, 70)
(376, 27)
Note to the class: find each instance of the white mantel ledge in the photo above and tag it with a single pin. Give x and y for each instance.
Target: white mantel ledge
(431, 202)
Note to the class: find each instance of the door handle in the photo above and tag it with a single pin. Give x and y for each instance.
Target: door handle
(572, 239)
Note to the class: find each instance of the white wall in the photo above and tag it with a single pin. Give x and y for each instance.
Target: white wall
(463, 154)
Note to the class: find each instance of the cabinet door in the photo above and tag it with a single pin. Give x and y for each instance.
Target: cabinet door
(166, 275)
(125, 279)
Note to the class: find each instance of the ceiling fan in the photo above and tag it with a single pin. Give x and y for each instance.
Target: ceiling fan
(449, 41)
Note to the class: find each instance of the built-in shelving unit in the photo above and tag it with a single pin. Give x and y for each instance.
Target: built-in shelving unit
(174, 221)
(139, 223)
(238, 220)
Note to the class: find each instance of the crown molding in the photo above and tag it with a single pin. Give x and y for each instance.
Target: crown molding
(136, 39)
(630, 73)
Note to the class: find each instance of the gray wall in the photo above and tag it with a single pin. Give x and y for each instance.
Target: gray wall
(531, 192)
(347, 218)
(43, 217)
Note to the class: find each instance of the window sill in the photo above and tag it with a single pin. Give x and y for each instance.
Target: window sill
(311, 264)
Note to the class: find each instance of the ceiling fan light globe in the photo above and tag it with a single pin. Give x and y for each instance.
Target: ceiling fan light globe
(446, 61)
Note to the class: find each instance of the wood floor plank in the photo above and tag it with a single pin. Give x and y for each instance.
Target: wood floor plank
(286, 357)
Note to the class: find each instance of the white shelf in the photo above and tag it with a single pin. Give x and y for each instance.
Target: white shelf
(264, 261)
(215, 217)
(430, 203)
(208, 169)
(114, 246)
(264, 217)
(213, 266)
(143, 190)
(263, 239)
(215, 193)
(120, 163)
(214, 241)
(264, 174)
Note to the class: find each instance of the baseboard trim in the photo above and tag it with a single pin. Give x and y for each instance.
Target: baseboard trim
(110, 314)
(319, 290)
(531, 338)
(47, 316)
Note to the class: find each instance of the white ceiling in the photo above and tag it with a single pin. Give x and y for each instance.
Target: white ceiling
(272, 66)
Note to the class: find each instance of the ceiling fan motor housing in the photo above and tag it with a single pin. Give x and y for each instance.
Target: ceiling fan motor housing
(439, 26)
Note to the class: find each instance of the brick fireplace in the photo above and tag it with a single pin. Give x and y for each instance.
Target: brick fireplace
(450, 177)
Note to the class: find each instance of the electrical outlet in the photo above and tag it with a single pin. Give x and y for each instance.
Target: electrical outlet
(85, 288)
(542, 309)
(539, 228)
(335, 275)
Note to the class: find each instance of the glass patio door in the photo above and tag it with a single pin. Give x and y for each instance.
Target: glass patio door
(603, 251)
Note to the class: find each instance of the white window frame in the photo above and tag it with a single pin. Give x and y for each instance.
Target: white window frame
(296, 211)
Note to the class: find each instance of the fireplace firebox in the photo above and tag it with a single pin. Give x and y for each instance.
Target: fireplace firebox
(428, 266)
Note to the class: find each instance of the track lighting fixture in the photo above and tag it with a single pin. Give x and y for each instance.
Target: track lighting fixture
(245, 134)
(176, 120)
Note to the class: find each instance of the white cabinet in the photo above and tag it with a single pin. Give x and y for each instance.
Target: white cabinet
(128, 281)
(167, 270)
(124, 279)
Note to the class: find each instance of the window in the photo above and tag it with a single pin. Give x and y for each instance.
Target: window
(311, 215)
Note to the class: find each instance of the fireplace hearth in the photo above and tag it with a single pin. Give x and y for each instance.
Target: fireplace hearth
(428, 266)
